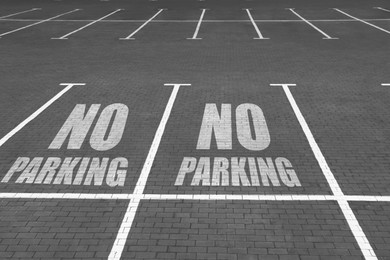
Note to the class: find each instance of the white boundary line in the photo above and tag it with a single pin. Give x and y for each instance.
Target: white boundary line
(128, 219)
(327, 37)
(195, 21)
(385, 84)
(40, 110)
(313, 144)
(350, 217)
(142, 26)
(195, 36)
(260, 36)
(22, 12)
(360, 20)
(383, 9)
(64, 37)
(130, 196)
(41, 21)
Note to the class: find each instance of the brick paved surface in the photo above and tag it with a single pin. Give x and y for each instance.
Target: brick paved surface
(273, 163)
(374, 217)
(240, 230)
(57, 229)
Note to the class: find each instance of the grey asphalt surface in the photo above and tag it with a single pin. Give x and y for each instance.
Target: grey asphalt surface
(338, 91)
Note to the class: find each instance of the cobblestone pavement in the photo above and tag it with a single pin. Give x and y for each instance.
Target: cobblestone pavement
(194, 129)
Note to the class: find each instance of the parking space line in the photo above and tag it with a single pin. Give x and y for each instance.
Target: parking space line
(41, 21)
(386, 84)
(360, 20)
(39, 111)
(142, 26)
(195, 36)
(22, 12)
(361, 239)
(260, 36)
(128, 219)
(327, 37)
(381, 8)
(357, 231)
(64, 37)
(195, 21)
(313, 144)
(129, 196)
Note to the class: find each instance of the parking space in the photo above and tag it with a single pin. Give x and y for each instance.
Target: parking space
(371, 12)
(195, 160)
(74, 159)
(357, 151)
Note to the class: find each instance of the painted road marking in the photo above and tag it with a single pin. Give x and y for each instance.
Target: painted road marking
(222, 197)
(124, 229)
(64, 37)
(260, 36)
(313, 144)
(360, 20)
(130, 37)
(386, 84)
(204, 21)
(327, 37)
(195, 36)
(39, 111)
(383, 9)
(352, 221)
(41, 21)
(23, 12)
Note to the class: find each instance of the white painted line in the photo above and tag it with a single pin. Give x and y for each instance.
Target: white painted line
(157, 139)
(124, 230)
(385, 84)
(64, 37)
(350, 217)
(313, 144)
(357, 231)
(195, 21)
(327, 37)
(260, 36)
(129, 196)
(41, 21)
(40, 110)
(23, 12)
(195, 36)
(361, 20)
(383, 9)
(130, 37)
(128, 219)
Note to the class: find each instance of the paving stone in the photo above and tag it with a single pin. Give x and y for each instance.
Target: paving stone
(269, 242)
(61, 243)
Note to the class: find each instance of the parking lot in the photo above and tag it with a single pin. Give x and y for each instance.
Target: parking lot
(194, 129)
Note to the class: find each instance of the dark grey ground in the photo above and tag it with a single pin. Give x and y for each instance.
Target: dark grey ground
(338, 91)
